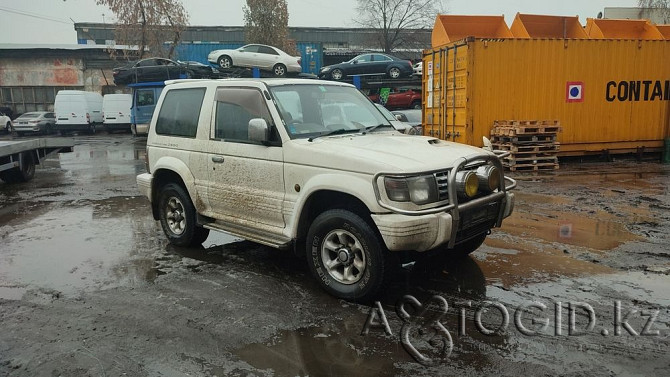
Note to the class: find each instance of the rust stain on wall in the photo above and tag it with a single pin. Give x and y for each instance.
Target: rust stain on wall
(66, 76)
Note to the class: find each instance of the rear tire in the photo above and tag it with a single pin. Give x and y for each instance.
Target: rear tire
(415, 105)
(178, 217)
(24, 173)
(394, 72)
(279, 70)
(346, 255)
(91, 129)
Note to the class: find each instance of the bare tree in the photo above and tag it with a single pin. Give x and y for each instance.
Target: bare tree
(266, 22)
(661, 8)
(392, 19)
(148, 24)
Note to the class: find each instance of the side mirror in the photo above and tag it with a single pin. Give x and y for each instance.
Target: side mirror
(398, 117)
(354, 62)
(259, 130)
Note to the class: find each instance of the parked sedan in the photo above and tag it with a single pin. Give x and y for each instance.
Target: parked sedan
(267, 58)
(160, 69)
(35, 122)
(368, 65)
(5, 123)
(413, 118)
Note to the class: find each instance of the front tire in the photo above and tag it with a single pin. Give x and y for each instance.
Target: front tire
(336, 74)
(178, 217)
(346, 255)
(225, 62)
(91, 128)
(394, 72)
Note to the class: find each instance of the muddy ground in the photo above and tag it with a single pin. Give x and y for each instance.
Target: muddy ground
(90, 287)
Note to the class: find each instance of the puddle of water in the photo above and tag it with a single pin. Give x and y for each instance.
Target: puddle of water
(12, 293)
(71, 248)
(326, 351)
(600, 231)
(531, 264)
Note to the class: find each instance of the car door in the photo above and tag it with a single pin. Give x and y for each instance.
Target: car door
(267, 56)
(380, 64)
(246, 56)
(361, 65)
(147, 70)
(170, 69)
(246, 181)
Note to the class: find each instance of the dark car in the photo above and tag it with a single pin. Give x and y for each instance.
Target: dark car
(160, 69)
(368, 65)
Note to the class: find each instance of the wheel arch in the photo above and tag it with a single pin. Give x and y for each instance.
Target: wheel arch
(321, 200)
(176, 172)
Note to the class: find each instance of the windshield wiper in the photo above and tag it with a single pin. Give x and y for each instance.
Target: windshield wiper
(372, 128)
(339, 131)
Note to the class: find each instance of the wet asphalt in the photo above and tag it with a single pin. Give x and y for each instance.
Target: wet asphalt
(89, 286)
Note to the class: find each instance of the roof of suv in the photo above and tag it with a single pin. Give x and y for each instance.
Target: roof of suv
(266, 81)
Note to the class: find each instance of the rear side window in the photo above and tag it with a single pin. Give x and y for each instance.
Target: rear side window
(179, 112)
(235, 107)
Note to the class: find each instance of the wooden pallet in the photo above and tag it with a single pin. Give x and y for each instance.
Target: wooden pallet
(527, 122)
(525, 130)
(523, 139)
(533, 167)
(527, 148)
(528, 159)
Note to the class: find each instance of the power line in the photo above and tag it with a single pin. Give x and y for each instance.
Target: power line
(34, 15)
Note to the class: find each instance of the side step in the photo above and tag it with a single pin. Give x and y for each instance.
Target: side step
(268, 239)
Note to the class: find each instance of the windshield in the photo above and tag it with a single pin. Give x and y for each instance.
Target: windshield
(313, 110)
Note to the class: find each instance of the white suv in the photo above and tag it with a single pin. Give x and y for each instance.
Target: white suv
(286, 163)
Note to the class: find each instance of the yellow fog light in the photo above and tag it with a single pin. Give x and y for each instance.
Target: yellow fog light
(467, 183)
(489, 177)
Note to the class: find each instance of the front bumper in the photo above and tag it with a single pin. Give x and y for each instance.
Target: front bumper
(426, 232)
(451, 223)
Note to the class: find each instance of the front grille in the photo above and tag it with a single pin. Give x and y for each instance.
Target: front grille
(442, 179)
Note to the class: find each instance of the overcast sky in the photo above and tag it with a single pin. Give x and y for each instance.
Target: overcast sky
(51, 21)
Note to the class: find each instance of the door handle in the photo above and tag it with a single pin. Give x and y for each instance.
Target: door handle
(217, 159)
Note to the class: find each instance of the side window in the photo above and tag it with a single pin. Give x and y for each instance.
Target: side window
(267, 50)
(251, 48)
(179, 112)
(145, 97)
(235, 107)
(381, 58)
(364, 59)
(50, 115)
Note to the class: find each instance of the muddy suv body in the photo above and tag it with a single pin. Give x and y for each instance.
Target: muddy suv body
(279, 162)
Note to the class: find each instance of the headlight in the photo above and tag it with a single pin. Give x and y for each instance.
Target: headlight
(419, 190)
(467, 183)
(489, 177)
(325, 69)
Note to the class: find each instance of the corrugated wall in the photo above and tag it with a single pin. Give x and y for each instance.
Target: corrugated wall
(620, 91)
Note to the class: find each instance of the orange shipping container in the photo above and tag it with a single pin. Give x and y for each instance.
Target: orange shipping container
(608, 94)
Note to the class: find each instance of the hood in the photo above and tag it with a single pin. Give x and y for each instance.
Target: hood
(377, 152)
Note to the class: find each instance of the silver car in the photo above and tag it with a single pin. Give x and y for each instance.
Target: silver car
(35, 122)
(267, 58)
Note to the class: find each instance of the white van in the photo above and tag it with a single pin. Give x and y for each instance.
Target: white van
(116, 111)
(77, 110)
